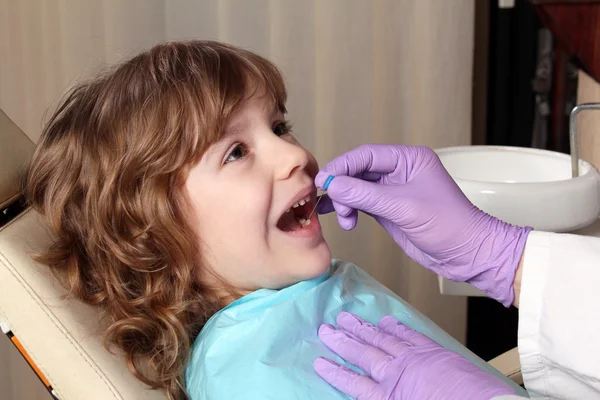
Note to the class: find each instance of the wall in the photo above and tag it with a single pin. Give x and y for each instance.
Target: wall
(588, 123)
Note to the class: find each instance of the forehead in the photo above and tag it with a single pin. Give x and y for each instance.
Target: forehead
(255, 105)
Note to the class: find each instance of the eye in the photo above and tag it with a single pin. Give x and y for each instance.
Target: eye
(282, 128)
(238, 152)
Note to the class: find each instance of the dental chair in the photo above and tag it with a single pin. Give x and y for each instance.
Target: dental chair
(60, 337)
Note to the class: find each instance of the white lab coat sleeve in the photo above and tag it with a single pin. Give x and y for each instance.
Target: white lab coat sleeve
(559, 316)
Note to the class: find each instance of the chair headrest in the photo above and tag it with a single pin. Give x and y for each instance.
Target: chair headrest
(15, 150)
(63, 337)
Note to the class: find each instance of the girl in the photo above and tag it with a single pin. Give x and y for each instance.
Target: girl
(175, 189)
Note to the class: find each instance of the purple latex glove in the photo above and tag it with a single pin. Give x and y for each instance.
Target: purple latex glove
(400, 363)
(410, 193)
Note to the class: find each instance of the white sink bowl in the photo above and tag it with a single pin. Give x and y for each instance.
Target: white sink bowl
(526, 186)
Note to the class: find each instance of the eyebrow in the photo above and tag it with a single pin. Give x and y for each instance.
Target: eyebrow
(219, 145)
(239, 127)
(275, 109)
(236, 128)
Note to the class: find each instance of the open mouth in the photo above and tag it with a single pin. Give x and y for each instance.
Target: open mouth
(298, 216)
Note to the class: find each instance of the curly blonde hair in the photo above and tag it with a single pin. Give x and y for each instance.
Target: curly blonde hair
(108, 176)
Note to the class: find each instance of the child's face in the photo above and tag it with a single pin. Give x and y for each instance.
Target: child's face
(242, 191)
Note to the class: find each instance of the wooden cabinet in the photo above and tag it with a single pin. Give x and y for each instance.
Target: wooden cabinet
(576, 26)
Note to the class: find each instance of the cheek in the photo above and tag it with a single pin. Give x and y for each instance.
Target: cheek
(239, 213)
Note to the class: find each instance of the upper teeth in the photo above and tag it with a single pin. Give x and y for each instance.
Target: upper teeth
(302, 202)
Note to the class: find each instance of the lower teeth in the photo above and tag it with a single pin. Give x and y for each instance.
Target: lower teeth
(303, 222)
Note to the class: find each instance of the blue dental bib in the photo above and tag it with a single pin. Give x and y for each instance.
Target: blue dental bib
(263, 345)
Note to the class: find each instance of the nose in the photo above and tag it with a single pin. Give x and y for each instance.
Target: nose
(287, 158)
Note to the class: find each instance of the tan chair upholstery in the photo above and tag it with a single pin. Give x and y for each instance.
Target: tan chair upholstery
(509, 364)
(61, 337)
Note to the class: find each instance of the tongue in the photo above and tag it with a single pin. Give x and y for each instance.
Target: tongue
(288, 222)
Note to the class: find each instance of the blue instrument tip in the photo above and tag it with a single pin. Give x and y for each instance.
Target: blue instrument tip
(327, 182)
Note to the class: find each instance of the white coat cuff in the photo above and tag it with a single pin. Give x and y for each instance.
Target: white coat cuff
(533, 283)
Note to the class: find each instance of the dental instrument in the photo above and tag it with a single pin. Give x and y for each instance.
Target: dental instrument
(325, 187)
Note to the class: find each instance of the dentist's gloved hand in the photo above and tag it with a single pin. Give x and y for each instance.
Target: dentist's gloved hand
(401, 364)
(409, 192)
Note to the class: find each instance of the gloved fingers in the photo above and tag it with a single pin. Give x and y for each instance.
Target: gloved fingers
(370, 359)
(325, 205)
(372, 335)
(348, 223)
(343, 210)
(344, 379)
(402, 240)
(370, 176)
(380, 158)
(357, 194)
(396, 328)
(347, 217)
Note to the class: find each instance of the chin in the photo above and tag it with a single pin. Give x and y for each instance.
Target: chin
(316, 262)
